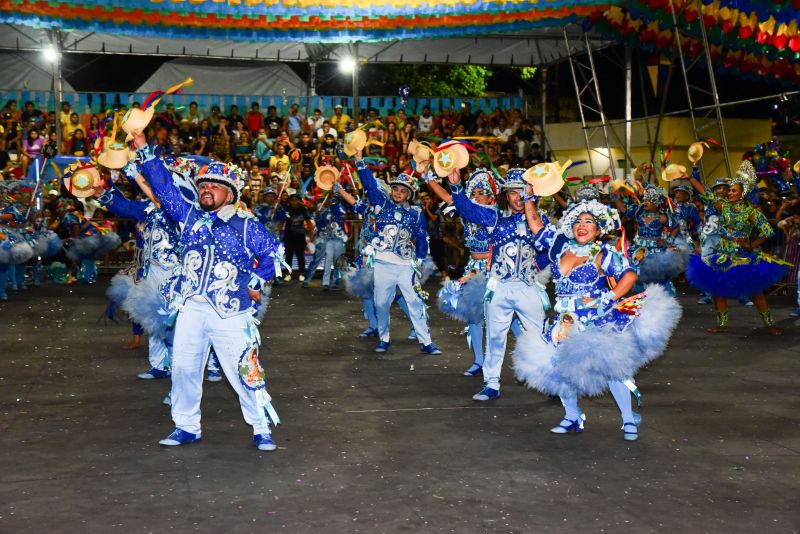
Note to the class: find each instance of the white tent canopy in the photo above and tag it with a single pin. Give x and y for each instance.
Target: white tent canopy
(538, 47)
(27, 72)
(230, 77)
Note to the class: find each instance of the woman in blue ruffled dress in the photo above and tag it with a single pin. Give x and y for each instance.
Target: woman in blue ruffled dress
(599, 338)
(462, 299)
(736, 268)
(656, 254)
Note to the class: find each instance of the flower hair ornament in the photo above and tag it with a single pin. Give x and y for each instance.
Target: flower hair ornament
(607, 218)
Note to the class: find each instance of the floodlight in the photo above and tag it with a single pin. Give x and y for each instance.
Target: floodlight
(347, 65)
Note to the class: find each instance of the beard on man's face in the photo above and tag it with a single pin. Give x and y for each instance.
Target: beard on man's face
(208, 202)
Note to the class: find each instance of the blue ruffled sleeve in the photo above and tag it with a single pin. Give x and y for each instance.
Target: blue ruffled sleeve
(374, 193)
(472, 212)
(119, 205)
(264, 247)
(160, 179)
(614, 263)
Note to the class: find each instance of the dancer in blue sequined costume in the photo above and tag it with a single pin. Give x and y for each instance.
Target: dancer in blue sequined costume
(598, 338)
(462, 299)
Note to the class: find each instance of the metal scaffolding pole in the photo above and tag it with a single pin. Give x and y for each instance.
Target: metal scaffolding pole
(58, 94)
(628, 105)
(587, 93)
(356, 67)
(543, 122)
(710, 91)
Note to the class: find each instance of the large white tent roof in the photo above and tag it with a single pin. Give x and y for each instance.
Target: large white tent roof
(215, 78)
(533, 48)
(27, 72)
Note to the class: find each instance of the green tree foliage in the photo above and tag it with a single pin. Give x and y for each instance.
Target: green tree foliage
(443, 80)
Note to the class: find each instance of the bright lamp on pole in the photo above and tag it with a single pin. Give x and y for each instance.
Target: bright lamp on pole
(347, 65)
(50, 54)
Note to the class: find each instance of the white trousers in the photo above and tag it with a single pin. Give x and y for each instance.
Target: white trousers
(512, 297)
(333, 249)
(157, 352)
(197, 328)
(388, 278)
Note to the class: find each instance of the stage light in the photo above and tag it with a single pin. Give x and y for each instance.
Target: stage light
(347, 65)
(50, 54)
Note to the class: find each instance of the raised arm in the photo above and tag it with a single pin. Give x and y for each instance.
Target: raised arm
(344, 195)
(469, 210)
(374, 193)
(436, 188)
(115, 202)
(532, 216)
(160, 179)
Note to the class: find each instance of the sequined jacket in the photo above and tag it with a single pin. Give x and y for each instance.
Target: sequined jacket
(222, 254)
(512, 244)
(400, 229)
(330, 222)
(158, 233)
(265, 213)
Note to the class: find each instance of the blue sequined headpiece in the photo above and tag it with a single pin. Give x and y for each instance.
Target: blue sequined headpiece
(586, 192)
(221, 173)
(514, 179)
(654, 194)
(406, 181)
(480, 179)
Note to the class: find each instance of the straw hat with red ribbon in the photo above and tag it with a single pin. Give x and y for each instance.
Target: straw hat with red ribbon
(137, 119)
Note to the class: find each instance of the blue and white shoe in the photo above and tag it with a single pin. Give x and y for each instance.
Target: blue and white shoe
(167, 400)
(154, 373)
(214, 376)
(473, 370)
(369, 332)
(179, 437)
(705, 299)
(630, 431)
(264, 442)
(568, 425)
(795, 313)
(413, 334)
(745, 301)
(383, 346)
(486, 394)
(430, 348)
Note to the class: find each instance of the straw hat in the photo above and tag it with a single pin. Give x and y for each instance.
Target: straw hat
(81, 180)
(114, 155)
(547, 179)
(354, 141)
(673, 171)
(326, 176)
(796, 167)
(421, 153)
(450, 157)
(295, 155)
(136, 120)
(641, 170)
(696, 151)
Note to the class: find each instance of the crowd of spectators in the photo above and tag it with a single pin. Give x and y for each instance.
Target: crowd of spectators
(262, 143)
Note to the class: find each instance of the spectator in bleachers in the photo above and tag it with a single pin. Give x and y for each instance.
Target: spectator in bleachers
(293, 123)
(234, 116)
(255, 120)
(273, 123)
(13, 132)
(94, 130)
(31, 148)
(215, 117)
(193, 115)
(425, 121)
(221, 140)
(308, 148)
(279, 162)
(77, 145)
(340, 120)
(31, 117)
(314, 122)
(325, 130)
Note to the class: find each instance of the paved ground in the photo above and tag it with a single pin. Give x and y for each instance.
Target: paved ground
(388, 444)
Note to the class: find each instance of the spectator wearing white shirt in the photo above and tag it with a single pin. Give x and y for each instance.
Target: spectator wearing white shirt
(425, 121)
(502, 130)
(326, 129)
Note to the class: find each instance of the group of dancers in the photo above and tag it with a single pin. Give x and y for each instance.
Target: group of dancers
(205, 263)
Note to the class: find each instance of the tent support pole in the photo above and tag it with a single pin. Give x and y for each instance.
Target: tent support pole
(628, 105)
(356, 67)
(58, 94)
(311, 90)
(543, 124)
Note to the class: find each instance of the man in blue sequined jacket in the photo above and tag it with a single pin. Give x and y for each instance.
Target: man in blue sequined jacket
(398, 247)
(512, 288)
(226, 257)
